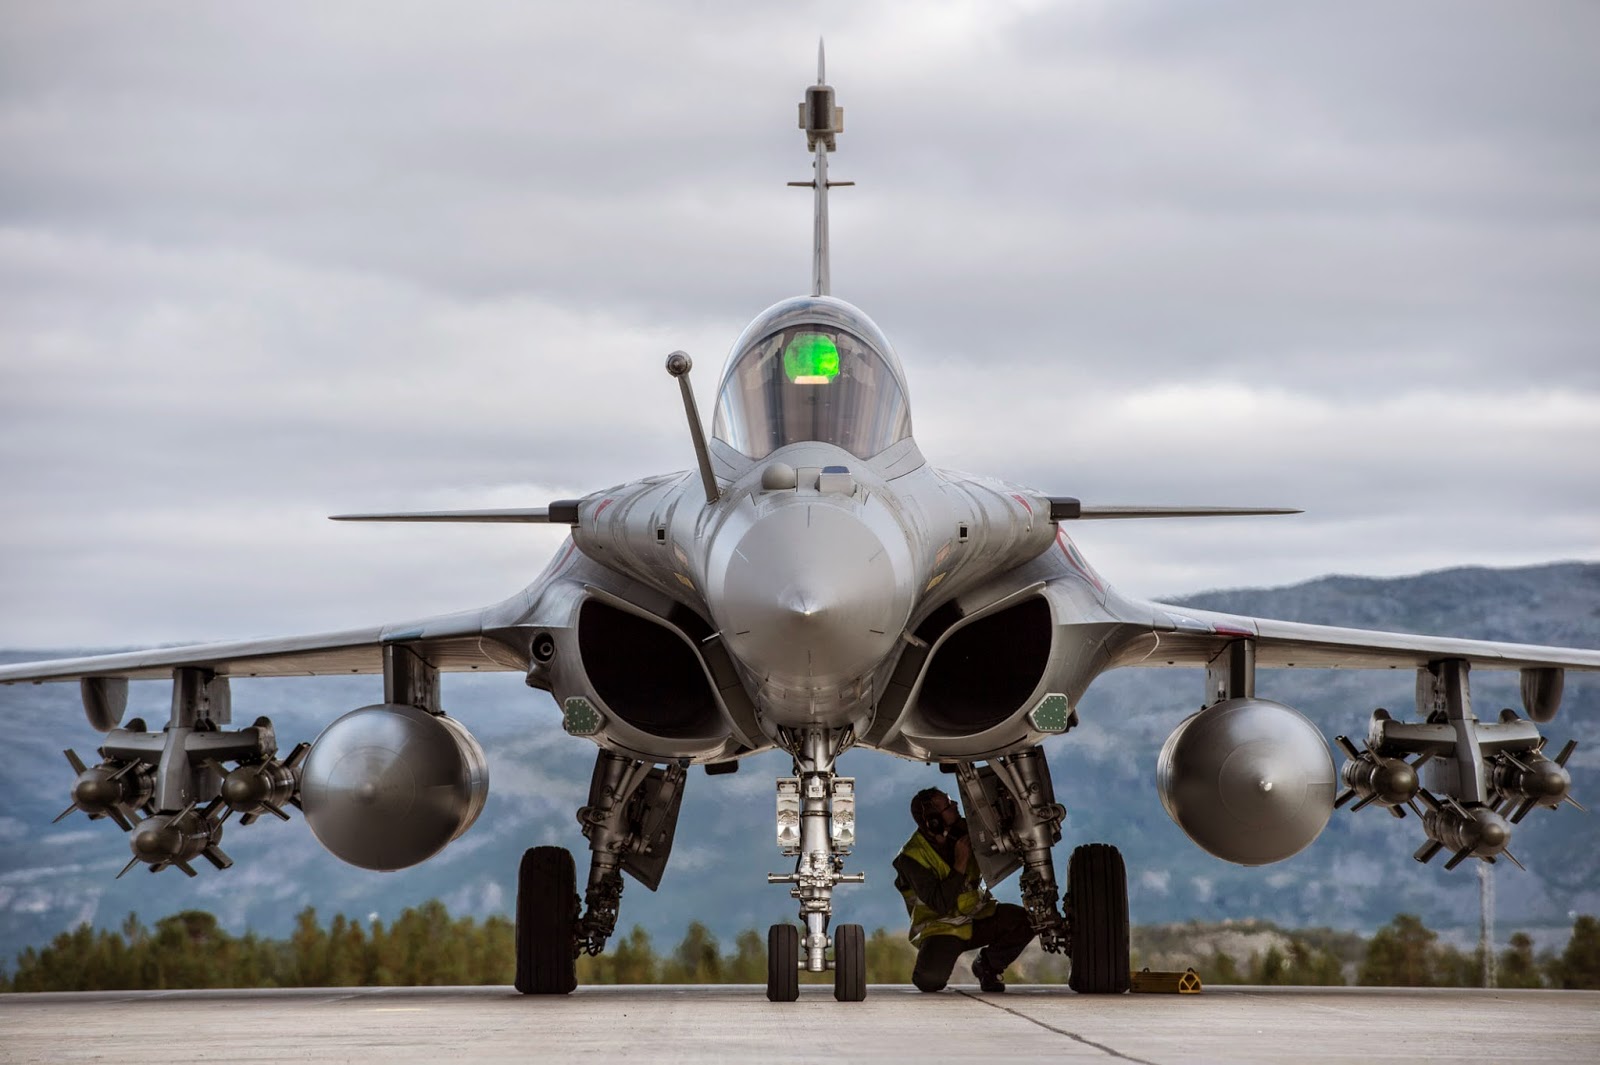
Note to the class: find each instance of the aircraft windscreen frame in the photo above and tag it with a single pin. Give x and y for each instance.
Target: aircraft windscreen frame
(811, 381)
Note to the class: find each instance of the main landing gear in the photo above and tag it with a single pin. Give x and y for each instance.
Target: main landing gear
(1015, 821)
(547, 922)
(632, 816)
(630, 822)
(1097, 920)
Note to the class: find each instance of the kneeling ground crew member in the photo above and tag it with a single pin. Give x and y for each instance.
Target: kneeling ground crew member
(951, 910)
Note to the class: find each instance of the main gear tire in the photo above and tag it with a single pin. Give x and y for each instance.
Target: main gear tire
(783, 963)
(1097, 899)
(547, 922)
(850, 963)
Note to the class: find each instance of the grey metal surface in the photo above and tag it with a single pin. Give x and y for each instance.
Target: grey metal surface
(819, 849)
(1309, 1026)
(1249, 780)
(389, 786)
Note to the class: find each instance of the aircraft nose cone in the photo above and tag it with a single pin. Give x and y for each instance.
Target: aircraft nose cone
(803, 605)
(813, 595)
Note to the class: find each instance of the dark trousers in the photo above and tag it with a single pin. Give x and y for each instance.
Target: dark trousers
(1002, 937)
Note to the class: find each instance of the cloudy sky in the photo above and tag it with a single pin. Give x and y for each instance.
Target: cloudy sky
(264, 263)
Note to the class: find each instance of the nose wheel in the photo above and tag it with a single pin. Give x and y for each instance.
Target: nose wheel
(849, 963)
(783, 963)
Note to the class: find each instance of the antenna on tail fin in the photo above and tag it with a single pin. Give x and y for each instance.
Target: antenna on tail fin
(823, 121)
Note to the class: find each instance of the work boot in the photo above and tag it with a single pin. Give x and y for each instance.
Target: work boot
(988, 979)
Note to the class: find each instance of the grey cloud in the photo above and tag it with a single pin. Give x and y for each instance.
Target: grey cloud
(262, 264)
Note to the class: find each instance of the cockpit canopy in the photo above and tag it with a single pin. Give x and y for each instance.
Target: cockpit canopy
(812, 368)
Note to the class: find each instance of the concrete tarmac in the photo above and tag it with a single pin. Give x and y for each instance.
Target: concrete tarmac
(1305, 1026)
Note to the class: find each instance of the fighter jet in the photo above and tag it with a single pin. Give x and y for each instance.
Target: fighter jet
(814, 585)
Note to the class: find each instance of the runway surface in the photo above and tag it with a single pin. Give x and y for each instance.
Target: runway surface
(895, 1023)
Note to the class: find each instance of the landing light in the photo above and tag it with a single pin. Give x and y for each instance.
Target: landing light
(811, 359)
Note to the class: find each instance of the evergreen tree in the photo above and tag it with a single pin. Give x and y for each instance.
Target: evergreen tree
(1579, 967)
(696, 960)
(381, 947)
(748, 962)
(1310, 967)
(138, 963)
(494, 954)
(346, 964)
(191, 950)
(448, 963)
(890, 957)
(1518, 968)
(635, 959)
(593, 970)
(1400, 955)
(1219, 969)
(309, 948)
(1454, 968)
(1270, 969)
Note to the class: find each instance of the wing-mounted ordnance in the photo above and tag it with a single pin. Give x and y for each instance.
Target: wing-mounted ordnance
(255, 788)
(170, 790)
(383, 787)
(113, 789)
(390, 785)
(1465, 774)
(1369, 778)
(1249, 780)
(1531, 779)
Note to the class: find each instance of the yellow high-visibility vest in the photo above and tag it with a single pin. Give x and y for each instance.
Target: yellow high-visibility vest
(971, 905)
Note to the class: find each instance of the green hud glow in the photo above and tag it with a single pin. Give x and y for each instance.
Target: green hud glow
(811, 359)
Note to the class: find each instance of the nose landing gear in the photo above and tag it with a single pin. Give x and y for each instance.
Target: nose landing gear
(816, 826)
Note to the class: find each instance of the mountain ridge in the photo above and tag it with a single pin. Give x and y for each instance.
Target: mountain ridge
(1357, 876)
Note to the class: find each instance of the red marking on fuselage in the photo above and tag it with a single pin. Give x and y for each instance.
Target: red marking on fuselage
(1070, 549)
(604, 503)
(1025, 504)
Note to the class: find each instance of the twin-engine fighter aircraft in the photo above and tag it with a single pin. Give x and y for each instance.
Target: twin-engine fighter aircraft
(816, 585)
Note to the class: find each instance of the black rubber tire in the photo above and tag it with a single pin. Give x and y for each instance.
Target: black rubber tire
(1097, 895)
(547, 922)
(783, 963)
(849, 963)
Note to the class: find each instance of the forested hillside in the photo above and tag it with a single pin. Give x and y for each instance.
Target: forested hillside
(426, 946)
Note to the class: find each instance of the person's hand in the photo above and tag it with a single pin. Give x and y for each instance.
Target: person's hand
(963, 853)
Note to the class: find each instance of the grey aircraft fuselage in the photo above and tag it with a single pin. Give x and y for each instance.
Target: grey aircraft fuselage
(816, 568)
(814, 586)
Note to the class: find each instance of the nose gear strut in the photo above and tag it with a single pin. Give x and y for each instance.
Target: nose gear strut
(816, 825)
